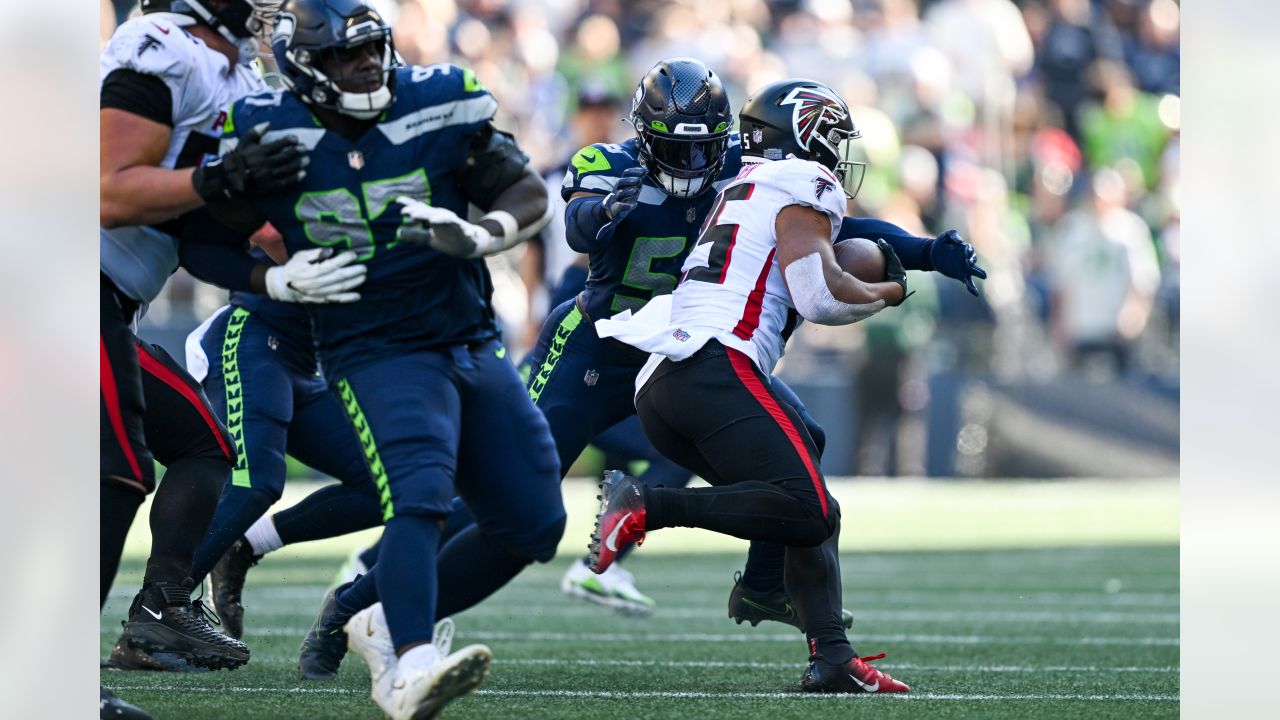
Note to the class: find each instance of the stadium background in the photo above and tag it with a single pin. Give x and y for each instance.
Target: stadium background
(1047, 133)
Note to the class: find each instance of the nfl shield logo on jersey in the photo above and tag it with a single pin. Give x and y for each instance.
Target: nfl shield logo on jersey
(355, 159)
(591, 377)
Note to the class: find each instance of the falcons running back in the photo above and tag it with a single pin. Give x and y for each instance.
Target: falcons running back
(764, 260)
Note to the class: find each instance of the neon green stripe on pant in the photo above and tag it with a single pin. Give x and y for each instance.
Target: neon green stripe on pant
(370, 448)
(563, 331)
(235, 393)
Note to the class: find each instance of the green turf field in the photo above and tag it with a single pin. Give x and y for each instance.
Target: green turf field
(1081, 622)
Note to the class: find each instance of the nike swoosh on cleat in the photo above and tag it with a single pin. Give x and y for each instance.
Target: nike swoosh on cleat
(787, 612)
(865, 687)
(151, 612)
(611, 542)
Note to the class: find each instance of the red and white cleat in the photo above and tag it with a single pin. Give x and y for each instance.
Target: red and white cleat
(855, 676)
(621, 519)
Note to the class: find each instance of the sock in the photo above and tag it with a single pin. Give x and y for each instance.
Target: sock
(118, 504)
(765, 563)
(331, 511)
(472, 567)
(813, 581)
(262, 536)
(180, 515)
(370, 554)
(238, 508)
(751, 510)
(406, 577)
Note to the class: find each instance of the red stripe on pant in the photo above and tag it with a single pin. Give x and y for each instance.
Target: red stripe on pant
(161, 372)
(745, 369)
(111, 398)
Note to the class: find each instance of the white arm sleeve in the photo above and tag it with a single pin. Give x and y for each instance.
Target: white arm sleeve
(813, 299)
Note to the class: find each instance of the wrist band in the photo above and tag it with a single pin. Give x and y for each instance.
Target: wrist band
(510, 228)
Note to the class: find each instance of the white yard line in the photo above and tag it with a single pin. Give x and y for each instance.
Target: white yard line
(640, 694)
(752, 637)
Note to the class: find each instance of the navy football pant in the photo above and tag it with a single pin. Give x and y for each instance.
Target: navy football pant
(263, 384)
(433, 422)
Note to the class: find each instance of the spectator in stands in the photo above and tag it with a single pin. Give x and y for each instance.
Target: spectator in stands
(1105, 275)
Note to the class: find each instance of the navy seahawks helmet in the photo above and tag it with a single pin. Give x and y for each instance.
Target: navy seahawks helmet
(308, 33)
(682, 116)
(803, 119)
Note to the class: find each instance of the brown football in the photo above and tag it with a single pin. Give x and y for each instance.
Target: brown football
(861, 258)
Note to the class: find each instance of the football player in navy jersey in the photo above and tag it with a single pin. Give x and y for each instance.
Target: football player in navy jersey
(396, 156)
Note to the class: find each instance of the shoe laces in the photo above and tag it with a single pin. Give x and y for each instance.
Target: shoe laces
(442, 638)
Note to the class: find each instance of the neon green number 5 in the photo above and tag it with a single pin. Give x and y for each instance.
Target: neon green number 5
(640, 275)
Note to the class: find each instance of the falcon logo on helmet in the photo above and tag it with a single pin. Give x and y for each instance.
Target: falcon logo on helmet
(813, 109)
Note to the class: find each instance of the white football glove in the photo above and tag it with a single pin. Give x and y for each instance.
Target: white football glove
(312, 276)
(443, 230)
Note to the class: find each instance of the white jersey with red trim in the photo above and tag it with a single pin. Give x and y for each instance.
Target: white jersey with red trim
(202, 83)
(732, 288)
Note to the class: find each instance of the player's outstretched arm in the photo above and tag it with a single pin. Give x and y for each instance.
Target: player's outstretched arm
(821, 291)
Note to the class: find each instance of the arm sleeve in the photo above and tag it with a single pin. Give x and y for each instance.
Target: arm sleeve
(586, 224)
(138, 93)
(911, 250)
(215, 254)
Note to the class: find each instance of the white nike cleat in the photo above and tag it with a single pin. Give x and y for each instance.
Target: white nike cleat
(428, 677)
(630, 601)
(368, 637)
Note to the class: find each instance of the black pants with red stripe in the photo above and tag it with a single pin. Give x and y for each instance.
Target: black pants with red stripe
(151, 408)
(716, 414)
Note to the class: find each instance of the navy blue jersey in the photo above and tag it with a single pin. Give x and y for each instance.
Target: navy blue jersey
(643, 257)
(289, 318)
(414, 298)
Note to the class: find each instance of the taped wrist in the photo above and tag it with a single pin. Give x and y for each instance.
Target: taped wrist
(813, 299)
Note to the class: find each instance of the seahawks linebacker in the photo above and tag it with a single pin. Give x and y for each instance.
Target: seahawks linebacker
(397, 154)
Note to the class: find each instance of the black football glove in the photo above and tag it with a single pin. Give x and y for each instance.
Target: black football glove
(625, 195)
(253, 167)
(893, 270)
(955, 258)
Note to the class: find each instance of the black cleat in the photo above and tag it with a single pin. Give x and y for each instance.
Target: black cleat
(111, 707)
(227, 579)
(167, 630)
(326, 642)
(755, 606)
(857, 675)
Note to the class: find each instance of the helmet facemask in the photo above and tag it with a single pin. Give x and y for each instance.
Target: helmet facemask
(327, 88)
(851, 172)
(685, 166)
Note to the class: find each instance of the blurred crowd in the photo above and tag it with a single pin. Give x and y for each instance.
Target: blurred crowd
(1045, 131)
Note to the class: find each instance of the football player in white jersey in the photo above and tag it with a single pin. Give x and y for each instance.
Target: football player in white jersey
(167, 78)
(764, 260)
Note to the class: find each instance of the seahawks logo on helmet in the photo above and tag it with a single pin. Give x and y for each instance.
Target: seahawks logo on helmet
(811, 107)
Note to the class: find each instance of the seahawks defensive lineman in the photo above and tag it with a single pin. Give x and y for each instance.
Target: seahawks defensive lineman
(397, 154)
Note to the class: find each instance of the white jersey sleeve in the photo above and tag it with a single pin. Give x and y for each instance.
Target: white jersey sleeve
(732, 289)
(202, 84)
